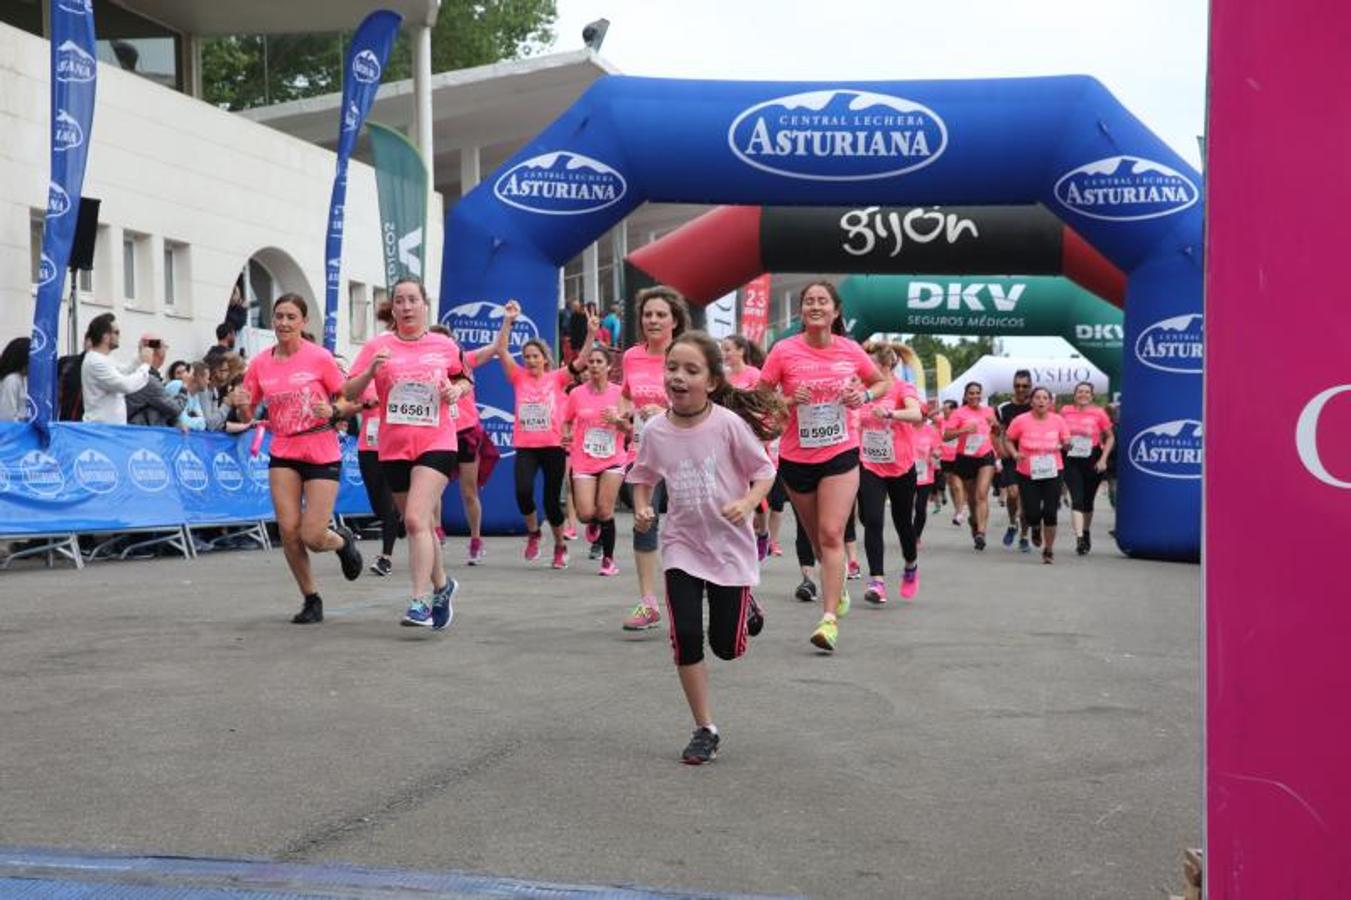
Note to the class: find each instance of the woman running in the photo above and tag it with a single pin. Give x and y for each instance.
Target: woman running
(594, 430)
(662, 317)
(537, 434)
(926, 440)
(818, 456)
(1091, 441)
(948, 457)
(707, 449)
(1037, 438)
(368, 458)
(887, 455)
(418, 378)
(974, 426)
(298, 381)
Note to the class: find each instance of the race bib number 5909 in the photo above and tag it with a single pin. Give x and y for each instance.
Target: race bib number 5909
(821, 425)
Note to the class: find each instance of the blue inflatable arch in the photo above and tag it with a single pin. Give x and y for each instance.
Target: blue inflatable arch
(1064, 142)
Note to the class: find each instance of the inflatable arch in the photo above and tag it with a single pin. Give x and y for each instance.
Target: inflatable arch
(1064, 142)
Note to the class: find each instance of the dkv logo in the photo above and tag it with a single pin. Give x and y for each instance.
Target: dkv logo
(148, 471)
(74, 64)
(499, 425)
(561, 184)
(1169, 449)
(838, 135)
(366, 67)
(95, 472)
(1306, 436)
(1173, 345)
(475, 324)
(1125, 189)
(963, 295)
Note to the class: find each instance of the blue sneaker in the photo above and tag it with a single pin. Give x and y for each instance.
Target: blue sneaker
(419, 614)
(442, 611)
(1009, 534)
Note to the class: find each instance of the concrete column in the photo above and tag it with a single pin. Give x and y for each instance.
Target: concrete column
(470, 174)
(422, 96)
(591, 273)
(619, 248)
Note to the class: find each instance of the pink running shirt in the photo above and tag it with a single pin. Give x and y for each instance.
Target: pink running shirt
(977, 443)
(596, 446)
(705, 468)
(823, 422)
(413, 417)
(539, 407)
(1086, 428)
(465, 412)
(885, 447)
(1039, 443)
(291, 386)
(925, 440)
(644, 384)
(746, 379)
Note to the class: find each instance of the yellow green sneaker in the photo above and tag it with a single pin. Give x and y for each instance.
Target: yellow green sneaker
(825, 635)
(843, 608)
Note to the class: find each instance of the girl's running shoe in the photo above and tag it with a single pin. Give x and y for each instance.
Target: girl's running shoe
(476, 552)
(643, 616)
(592, 532)
(560, 557)
(532, 546)
(876, 592)
(910, 582)
(608, 567)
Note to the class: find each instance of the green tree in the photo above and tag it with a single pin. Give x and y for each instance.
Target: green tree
(962, 353)
(244, 71)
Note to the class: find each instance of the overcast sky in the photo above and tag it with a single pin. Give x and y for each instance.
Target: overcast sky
(1150, 53)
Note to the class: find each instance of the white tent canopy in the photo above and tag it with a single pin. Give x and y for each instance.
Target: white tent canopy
(1059, 374)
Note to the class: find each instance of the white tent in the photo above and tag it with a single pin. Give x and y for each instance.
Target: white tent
(1059, 374)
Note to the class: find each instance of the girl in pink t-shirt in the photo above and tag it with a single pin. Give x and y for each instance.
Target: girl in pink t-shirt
(887, 456)
(706, 449)
(298, 380)
(818, 456)
(662, 317)
(595, 431)
(1038, 437)
(1091, 440)
(926, 440)
(741, 360)
(975, 427)
(418, 377)
(537, 434)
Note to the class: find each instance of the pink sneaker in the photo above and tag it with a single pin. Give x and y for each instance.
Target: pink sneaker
(643, 616)
(775, 549)
(569, 532)
(532, 546)
(608, 567)
(876, 592)
(592, 533)
(854, 573)
(440, 535)
(910, 583)
(762, 546)
(476, 552)
(560, 557)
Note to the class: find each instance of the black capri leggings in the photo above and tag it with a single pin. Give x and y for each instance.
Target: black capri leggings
(921, 515)
(726, 617)
(873, 493)
(778, 494)
(1083, 478)
(806, 556)
(1040, 500)
(554, 461)
(382, 500)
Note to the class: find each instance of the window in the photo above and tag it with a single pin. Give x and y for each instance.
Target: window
(379, 296)
(359, 312)
(136, 281)
(35, 248)
(25, 14)
(175, 276)
(129, 266)
(139, 45)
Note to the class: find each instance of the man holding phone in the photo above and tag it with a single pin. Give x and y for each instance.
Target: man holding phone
(152, 404)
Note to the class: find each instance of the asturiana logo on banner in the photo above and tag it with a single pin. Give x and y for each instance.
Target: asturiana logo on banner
(58, 201)
(191, 471)
(366, 67)
(258, 466)
(74, 64)
(1173, 345)
(1125, 189)
(1169, 449)
(148, 471)
(561, 184)
(4, 478)
(227, 471)
(68, 134)
(41, 473)
(475, 324)
(46, 272)
(351, 463)
(350, 117)
(498, 423)
(95, 472)
(78, 7)
(838, 135)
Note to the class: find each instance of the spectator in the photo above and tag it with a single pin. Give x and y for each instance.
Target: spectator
(603, 336)
(178, 370)
(14, 381)
(217, 390)
(237, 312)
(225, 343)
(70, 395)
(192, 387)
(152, 404)
(613, 323)
(104, 384)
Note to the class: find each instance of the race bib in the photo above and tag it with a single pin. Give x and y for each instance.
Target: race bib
(413, 403)
(598, 443)
(975, 443)
(535, 417)
(373, 430)
(821, 425)
(639, 423)
(1081, 445)
(878, 446)
(921, 468)
(1043, 466)
(455, 411)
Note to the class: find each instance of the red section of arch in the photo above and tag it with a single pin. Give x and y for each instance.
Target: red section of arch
(726, 244)
(1089, 269)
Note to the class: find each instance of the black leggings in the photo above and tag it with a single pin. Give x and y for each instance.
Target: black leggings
(1082, 478)
(921, 509)
(1040, 500)
(873, 493)
(554, 461)
(778, 494)
(382, 500)
(726, 617)
(806, 556)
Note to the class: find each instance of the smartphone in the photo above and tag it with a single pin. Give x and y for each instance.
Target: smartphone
(154, 343)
